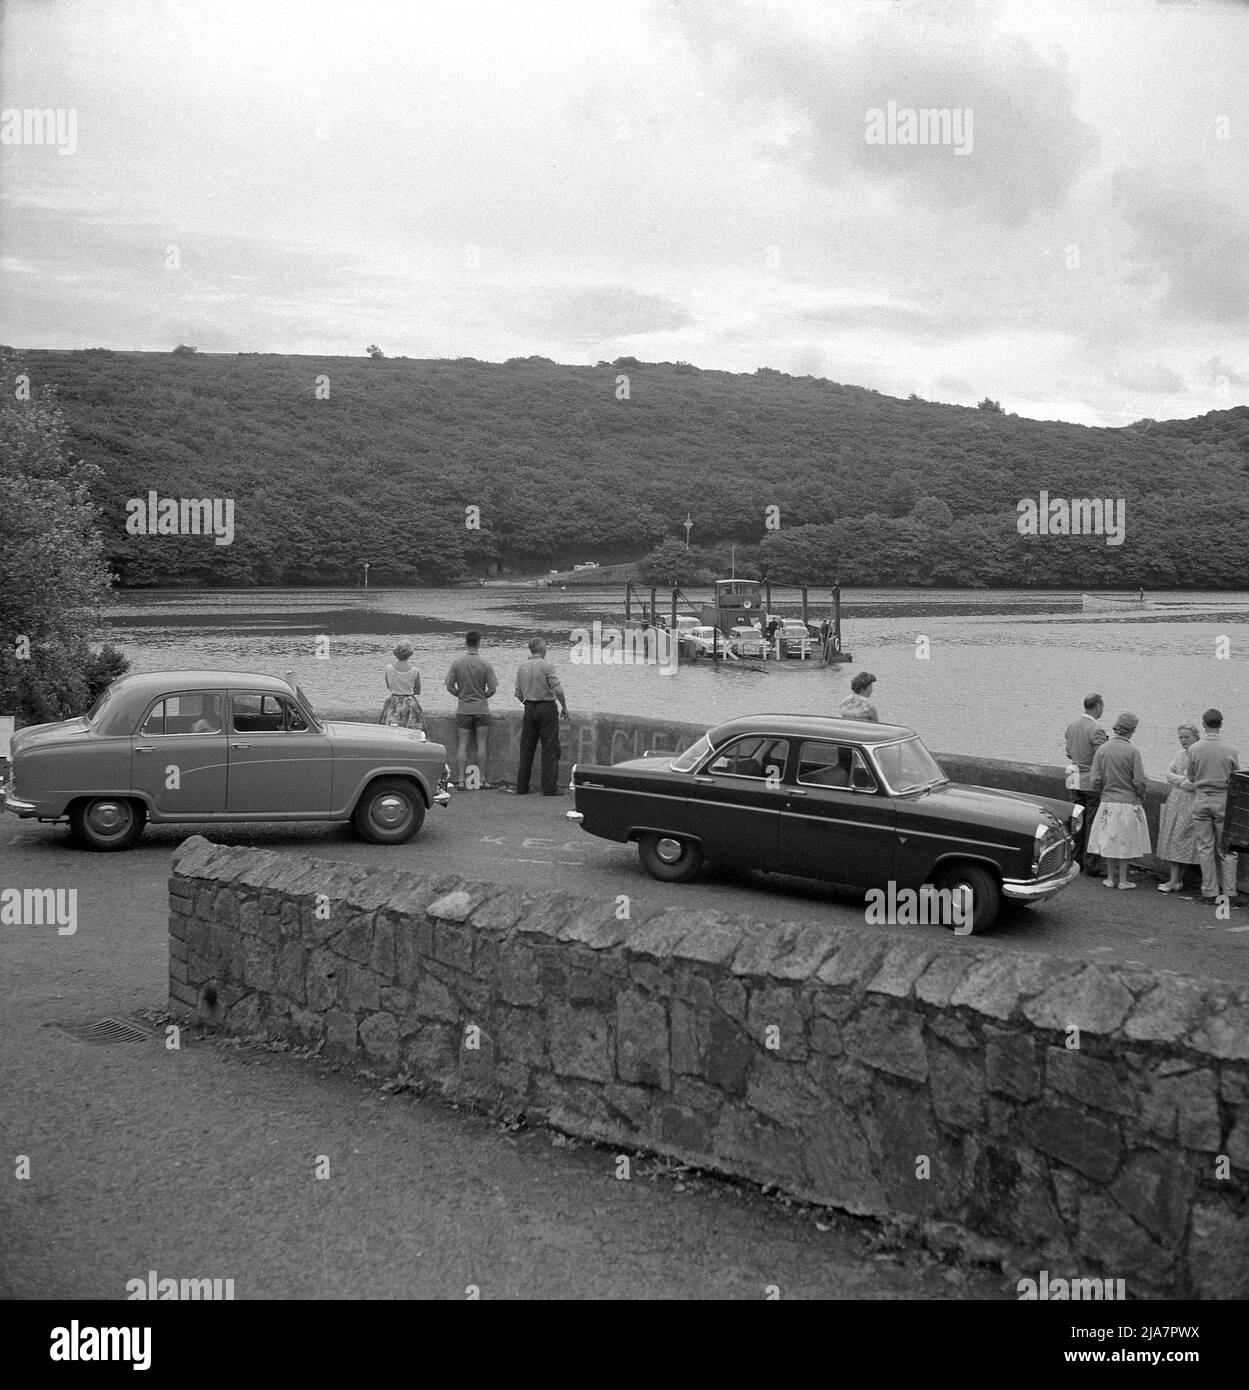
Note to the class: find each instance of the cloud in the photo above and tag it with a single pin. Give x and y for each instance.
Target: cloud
(807, 97)
(1186, 238)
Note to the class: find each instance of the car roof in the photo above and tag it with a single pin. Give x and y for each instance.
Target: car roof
(810, 726)
(153, 682)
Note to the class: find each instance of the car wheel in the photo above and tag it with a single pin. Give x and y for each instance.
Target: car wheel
(390, 812)
(669, 859)
(107, 822)
(986, 897)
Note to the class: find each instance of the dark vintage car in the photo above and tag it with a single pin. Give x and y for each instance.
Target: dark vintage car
(845, 800)
(212, 747)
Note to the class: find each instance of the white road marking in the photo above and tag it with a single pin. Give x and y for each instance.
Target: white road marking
(1235, 929)
(535, 861)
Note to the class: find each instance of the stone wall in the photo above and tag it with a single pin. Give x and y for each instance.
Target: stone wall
(939, 1081)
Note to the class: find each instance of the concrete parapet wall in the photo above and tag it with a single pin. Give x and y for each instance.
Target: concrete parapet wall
(1090, 1119)
(613, 738)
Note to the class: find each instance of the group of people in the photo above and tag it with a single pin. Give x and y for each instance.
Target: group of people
(472, 680)
(1106, 776)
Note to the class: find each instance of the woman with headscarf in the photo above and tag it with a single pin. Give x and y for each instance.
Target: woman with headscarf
(402, 708)
(1177, 838)
(1120, 831)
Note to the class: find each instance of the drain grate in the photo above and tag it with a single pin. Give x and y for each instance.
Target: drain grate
(105, 1030)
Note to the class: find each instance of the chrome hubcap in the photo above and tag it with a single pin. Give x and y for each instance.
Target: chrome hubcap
(390, 812)
(669, 850)
(109, 817)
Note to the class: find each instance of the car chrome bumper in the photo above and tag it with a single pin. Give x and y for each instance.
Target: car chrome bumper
(16, 805)
(574, 815)
(1037, 890)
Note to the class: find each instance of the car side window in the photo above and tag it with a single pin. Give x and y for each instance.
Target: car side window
(194, 712)
(761, 757)
(267, 714)
(835, 765)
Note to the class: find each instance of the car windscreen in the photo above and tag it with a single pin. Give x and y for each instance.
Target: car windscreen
(92, 716)
(693, 755)
(908, 766)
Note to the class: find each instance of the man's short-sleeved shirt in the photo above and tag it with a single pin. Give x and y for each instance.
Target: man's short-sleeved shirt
(472, 681)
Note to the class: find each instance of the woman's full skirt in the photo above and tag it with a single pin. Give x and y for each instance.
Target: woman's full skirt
(1120, 831)
(1177, 838)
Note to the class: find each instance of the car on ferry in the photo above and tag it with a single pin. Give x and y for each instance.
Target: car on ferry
(858, 804)
(215, 748)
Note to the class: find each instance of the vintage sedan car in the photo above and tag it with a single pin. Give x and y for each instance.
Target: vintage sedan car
(214, 747)
(747, 641)
(852, 802)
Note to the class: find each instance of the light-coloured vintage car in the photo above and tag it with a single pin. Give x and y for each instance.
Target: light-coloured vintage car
(218, 747)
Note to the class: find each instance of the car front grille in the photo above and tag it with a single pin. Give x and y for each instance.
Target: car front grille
(1054, 858)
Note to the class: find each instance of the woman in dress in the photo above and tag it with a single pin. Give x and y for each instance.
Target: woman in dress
(859, 704)
(402, 708)
(1177, 839)
(1120, 831)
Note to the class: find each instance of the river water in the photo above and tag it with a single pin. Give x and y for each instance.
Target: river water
(1006, 670)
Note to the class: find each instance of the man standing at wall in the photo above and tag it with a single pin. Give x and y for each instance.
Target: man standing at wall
(1210, 763)
(472, 681)
(538, 689)
(1084, 735)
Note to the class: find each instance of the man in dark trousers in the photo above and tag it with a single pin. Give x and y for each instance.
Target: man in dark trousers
(538, 688)
(1084, 735)
(472, 681)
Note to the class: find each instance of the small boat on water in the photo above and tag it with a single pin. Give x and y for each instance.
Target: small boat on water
(1111, 603)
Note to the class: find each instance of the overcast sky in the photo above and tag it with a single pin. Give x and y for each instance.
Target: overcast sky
(672, 181)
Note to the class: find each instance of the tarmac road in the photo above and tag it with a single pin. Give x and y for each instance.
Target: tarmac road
(199, 1163)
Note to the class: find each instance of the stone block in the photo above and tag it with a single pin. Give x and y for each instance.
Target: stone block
(414, 945)
(520, 1036)
(432, 1053)
(1218, 1250)
(784, 951)
(518, 981)
(1108, 1239)
(454, 907)
(1010, 1064)
(382, 957)
(779, 1010)
(958, 1087)
(951, 1030)
(396, 1001)
(245, 1016)
(597, 925)
(1089, 1080)
(589, 987)
(1094, 1001)
(1167, 1012)
(453, 945)
(1183, 1108)
(379, 1036)
(249, 914)
(711, 940)
(683, 1038)
(730, 998)
(642, 1041)
(727, 1055)
(290, 974)
(354, 938)
(500, 912)
(549, 914)
(433, 1000)
(948, 969)
(579, 1043)
(826, 1037)
(683, 1130)
(359, 990)
(1157, 1190)
(259, 964)
(888, 1039)
(904, 963)
(1090, 1146)
(321, 979)
(855, 961)
(659, 936)
(1225, 1033)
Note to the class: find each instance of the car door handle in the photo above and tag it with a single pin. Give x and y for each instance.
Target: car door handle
(145, 748)
(240, 745)
(706, 781)
(797, 791)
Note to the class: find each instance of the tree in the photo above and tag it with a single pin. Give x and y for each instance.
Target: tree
(184, 350)
(671, 565)
(54, 582)
(375, 352)
(994, 406)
